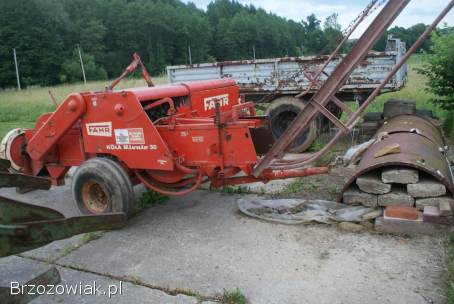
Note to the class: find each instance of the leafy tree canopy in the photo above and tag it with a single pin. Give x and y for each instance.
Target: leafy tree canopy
(45, 34)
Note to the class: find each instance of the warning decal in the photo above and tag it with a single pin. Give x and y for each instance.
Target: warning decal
(133, 136)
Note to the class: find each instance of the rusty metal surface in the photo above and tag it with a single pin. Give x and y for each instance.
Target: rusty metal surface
(263, 139)
(413, 124)
(417, 152)
(291, 75)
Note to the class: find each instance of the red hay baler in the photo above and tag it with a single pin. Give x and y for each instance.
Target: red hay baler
(171, 138)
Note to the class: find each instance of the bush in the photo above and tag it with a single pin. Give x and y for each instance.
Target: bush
(439, 69)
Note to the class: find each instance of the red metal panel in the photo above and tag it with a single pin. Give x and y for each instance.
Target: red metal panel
(209, 84)
(197, 145)
(71, 148)
(204, 101)
(116, 124)
(56, 126)
(153, 93)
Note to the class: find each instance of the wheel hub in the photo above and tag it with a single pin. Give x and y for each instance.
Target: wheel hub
(94, 197)
(12, 148)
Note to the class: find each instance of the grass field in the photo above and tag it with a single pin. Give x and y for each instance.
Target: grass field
(22, 108)
(414, 90)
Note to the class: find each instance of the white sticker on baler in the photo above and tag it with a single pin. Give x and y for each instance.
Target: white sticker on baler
(132, 136)
(99, 129)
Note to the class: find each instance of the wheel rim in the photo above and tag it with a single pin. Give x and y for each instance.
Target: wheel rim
(94, 197)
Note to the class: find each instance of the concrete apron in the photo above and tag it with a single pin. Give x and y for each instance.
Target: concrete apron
(201, 242)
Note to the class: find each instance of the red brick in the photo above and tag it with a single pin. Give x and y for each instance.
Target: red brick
(402, 212)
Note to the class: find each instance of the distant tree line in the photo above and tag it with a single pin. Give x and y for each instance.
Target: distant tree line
(45, 34)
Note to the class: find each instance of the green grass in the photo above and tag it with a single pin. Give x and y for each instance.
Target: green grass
(22, 108)
(414, 90)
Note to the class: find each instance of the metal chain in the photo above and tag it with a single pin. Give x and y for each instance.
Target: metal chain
(370, 8)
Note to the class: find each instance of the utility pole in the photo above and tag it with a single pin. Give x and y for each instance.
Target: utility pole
(253, 51)
(189, 54)
(81, 64)
(17, 69)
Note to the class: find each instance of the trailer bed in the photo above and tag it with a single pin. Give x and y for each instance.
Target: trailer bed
(291, 75)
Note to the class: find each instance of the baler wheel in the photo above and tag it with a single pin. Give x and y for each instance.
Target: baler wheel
(101, 185)
(282, 111)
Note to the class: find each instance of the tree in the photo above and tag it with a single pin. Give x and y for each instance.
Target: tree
(71, 70)
(45, 32)
(314, 40)
(35, 28)
(439, 69)
(333, 32)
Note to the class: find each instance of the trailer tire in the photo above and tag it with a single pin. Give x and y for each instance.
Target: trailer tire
(281, 113)
(101, 185)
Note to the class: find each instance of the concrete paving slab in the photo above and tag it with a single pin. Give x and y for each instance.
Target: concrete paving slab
(201, 242)
(22, 270)
(55, 250)
(58, 198)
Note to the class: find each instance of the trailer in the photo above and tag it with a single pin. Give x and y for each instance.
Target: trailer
(278, 80)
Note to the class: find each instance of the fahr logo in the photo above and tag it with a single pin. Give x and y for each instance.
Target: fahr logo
(99, 129)
(210, 102)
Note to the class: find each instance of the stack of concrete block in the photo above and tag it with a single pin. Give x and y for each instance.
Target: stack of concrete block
(406, 187)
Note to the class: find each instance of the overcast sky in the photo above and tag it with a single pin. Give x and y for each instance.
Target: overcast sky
(417, 11)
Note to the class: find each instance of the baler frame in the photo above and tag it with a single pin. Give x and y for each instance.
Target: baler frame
(204, 132)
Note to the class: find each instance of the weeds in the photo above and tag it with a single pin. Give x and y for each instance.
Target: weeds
(299, 186)
(149, 199)
(235, 190)
(233, 297)
(86, 238)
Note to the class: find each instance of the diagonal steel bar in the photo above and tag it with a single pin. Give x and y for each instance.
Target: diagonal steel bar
(383, 20)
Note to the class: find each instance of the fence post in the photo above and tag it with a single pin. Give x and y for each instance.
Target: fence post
(17, 69)
(81, 64)
(189, 54)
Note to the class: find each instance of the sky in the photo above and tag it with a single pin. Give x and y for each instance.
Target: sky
(417, 11)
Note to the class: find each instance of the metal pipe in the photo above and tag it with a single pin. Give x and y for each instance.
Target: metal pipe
(361, 18)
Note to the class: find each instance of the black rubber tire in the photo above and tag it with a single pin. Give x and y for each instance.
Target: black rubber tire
(395, 107)
(425, 113)
(373, 116)
(114, 182)
(281, 112)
